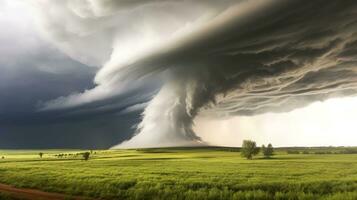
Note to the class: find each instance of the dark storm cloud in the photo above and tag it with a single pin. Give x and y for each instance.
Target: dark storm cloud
(41, 76)
(29, 79)
(273, 57)
(95, 132)
(32, 72)
(214, 58)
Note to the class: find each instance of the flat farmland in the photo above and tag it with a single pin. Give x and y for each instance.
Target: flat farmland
(183, 173)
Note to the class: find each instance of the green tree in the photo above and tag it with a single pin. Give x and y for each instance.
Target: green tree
(86, 155)
(40, 154)
(263, 149)
(249, 149)
(268, 151)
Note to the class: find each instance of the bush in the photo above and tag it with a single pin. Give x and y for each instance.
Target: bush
(268, 151)
(86, 155)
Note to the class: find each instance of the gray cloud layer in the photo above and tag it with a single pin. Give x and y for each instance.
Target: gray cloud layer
(32, 72)
(269, 58)
(215, 58)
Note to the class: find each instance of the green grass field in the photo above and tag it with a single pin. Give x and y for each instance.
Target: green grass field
(184, 173)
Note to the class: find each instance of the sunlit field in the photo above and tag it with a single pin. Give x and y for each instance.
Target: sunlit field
(185, 173)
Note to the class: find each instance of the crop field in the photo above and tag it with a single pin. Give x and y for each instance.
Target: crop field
(185, 173)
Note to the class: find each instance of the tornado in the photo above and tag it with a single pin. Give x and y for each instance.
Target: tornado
(211, 58)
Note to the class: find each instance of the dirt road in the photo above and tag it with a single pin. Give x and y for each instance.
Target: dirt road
(31, 194)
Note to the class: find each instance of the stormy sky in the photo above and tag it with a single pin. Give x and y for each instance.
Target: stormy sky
(95, 73)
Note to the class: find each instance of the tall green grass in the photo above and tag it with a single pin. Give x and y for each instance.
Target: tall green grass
(185, 173)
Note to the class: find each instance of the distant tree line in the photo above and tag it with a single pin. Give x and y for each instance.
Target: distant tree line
(84, 155)
(250, 149)
(343, 151)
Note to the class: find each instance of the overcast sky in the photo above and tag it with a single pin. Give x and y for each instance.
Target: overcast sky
(95, 73)
(34, 71)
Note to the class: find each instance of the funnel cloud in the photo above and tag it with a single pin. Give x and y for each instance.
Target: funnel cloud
(203, 58)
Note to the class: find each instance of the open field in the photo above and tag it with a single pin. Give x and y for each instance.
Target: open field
(184, 173)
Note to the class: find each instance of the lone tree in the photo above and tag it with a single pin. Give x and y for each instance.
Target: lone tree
(249, 149)
(268, 151)
(86, 155)
(40, 154)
